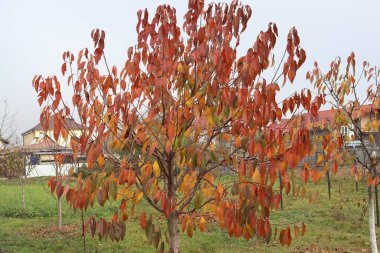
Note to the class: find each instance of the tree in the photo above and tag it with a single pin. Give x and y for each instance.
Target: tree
(59, 166)
(357, 111)
(12, 164)
(159, 120)
(7, 124)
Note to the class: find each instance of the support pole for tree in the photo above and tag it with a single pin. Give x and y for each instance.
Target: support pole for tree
(329, 183)
(59, 205)
(279, 173)
(371, 206)
(23, 178)
(83, 233)
(356, 181)
(377, 207)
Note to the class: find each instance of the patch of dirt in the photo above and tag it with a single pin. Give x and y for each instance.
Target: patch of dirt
(314, 248)
(209, 217)
(72, 230)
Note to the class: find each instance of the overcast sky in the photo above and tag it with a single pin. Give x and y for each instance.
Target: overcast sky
(35, 33)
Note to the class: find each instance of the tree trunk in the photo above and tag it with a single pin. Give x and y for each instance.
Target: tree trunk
(59, 201)
(60, 214)
(372, 228)
(173, 232)
(329, 184)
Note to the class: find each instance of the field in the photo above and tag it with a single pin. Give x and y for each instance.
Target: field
(336, 225)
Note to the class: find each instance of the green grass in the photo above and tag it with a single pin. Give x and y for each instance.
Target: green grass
(332, 225)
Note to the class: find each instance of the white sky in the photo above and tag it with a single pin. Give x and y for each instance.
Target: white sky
(34, 34)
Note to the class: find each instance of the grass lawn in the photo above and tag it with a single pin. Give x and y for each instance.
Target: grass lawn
(334, 225)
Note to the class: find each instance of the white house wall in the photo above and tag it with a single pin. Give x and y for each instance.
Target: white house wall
(47, 170)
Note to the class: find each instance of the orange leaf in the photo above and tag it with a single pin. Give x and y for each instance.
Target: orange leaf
(202, 223)
(369, 180)
(171, 131)
(190, 230)
(353, 170)
(242, 169)
(219, 188)
(335, 167)
(305, 174)
(153, 147)
(101, 160)
(143, 220)
(237, 141)
(285, 237)
(303, 229)
(282, 166)
(315, 175)
(184, 220)
(296, 231)
(272, 175)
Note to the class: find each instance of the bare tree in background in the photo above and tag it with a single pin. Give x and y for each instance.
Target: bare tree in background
(7, 123)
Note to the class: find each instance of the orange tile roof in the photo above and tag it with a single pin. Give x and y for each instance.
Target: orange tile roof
(323, 117)
(69, 123)
(45, 144)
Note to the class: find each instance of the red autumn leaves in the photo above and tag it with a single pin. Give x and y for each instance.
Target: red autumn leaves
(286, 236)
(181, 108)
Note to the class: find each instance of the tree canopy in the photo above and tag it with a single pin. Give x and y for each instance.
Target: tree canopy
(183, 106)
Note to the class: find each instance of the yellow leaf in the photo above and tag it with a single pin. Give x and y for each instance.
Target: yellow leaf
(124, 193)
(375, 125)
(187, 132)
(156, 169)
(256, 176)
(137, 197)
(180, 67)
(210, 121)
(71, 171)
(109, 100)
(320, 159)
(190, 102)
(371, 139)
(326, 168)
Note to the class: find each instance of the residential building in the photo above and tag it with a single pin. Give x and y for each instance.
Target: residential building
(36, 133)
(41, 146)
(326, 122)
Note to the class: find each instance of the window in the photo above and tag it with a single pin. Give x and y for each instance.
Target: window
(344, 130)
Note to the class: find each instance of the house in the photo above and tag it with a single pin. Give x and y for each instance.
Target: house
(41, 147)
(36, 133)
(44, 151)
(326, 121)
